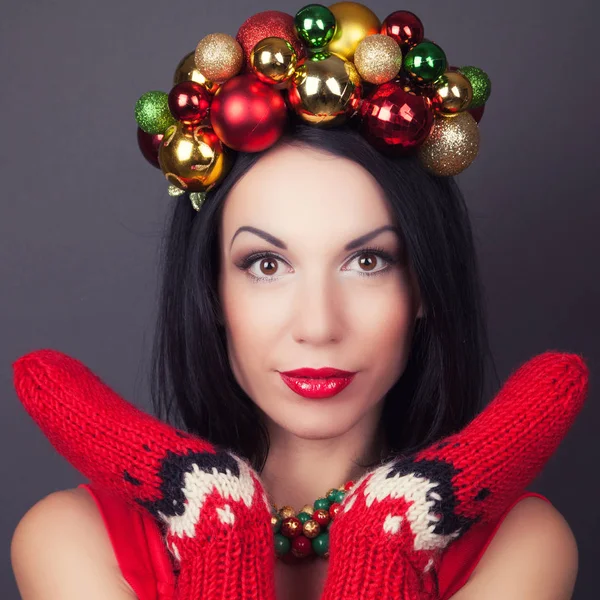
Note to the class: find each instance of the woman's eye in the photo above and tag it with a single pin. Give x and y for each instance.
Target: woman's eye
(368, 262)
(267, 266)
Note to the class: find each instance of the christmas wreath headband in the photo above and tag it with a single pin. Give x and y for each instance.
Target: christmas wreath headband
(326, 66)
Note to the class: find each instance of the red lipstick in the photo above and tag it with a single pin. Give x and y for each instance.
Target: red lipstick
(317, 383)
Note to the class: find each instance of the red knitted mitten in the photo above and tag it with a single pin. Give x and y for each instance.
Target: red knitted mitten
(210, 503)
(392, 528)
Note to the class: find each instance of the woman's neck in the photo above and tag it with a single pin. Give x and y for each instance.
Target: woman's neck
(298, 471)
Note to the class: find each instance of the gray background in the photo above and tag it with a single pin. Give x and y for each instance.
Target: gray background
(82, 212)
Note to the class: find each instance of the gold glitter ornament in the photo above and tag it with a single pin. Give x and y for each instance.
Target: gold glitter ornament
(219, 57)
(354, 22)
(273, 60)
(378, 58)
(451, 146)
(325, 92)
(311, 529)
(285, 512)
(451, 94)
(193, 159)
(187, 71)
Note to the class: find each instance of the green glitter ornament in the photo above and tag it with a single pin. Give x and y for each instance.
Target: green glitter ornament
(152, 112)
(315, 25)
(425, 62)
(481, 84)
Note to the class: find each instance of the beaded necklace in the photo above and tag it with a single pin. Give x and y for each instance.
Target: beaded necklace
(305, 534)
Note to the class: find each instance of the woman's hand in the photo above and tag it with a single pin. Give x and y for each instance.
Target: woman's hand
(210, 503)
(388, 537)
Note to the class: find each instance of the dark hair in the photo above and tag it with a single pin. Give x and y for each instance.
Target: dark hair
(441, 389)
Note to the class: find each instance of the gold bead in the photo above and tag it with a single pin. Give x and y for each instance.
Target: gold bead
(308, 509)
(286, 511)
(311, 529)
(275, 520)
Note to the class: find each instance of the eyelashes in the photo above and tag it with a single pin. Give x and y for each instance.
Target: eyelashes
(249, 260)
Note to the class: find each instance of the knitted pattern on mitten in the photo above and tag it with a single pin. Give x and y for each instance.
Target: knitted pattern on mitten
(209, 502)
(388, 537)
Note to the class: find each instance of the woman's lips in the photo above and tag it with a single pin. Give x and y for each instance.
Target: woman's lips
(317, 383)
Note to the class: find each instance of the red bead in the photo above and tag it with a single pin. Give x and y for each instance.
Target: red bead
(349, 486)
(321, 517)
(301, 546)
(334, 509)
(291, 527)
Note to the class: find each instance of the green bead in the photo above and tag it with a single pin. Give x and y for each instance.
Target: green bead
(481, 84)
(282, 544)
(425, 62)
(320, 544)
(276, 523)
(322, 503)
(152, 112)
(332, 495)
(303, 517)
(339, 496)
(315, 25)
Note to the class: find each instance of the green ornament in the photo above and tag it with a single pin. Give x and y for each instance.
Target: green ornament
(322, 503)
(339, 496)
(332, 495)
(303, 517)
(152, 112)
(320, 544)
(481, 84)
(425, 62)
(282, 544)
(315, 25)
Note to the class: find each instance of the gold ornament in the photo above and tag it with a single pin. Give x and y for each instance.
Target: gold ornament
(308, 509)
(311, 529)
(452, 93)
(325, 92)
(273, 60)
(286, 511)
(193, 159)
(451, 146)
(354, 22)
(378, 58)
(187, 71)
(219, 57)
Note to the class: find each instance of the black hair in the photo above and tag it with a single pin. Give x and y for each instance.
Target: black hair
(442, 386)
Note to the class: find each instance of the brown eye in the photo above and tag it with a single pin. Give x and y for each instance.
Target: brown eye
(268, 266)
(368, 261)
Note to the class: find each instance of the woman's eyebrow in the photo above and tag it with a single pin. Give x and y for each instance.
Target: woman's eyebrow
(355, 243)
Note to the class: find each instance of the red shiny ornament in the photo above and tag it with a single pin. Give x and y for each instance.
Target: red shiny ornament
(291, 527)
(395, 121)
(189, 102)
(248, 115)
(269, 23)
(477, 113)
(405, 27)
(149, 144)
(334, 509)
(322, 517)
(301, 546)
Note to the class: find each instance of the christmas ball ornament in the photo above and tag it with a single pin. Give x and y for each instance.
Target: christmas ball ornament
(291, 527)
(286, 512)
(405, 28)
(481, 84)
(152, 112)
(187, 71)
(378, 58)
(451, 93)
(219, 57)
(189, 102)
(248, 115)
(315, 25)
(395, 121)
(451, 146)
(269, 23)
(193, 159)
(149, 144)
(273, 60)
(425, 62)
(354, 22)
(325, 92)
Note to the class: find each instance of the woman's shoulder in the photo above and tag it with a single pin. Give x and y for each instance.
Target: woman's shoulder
(531, 549)
(61, 546)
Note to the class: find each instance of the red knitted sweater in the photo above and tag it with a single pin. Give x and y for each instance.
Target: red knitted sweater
(147, 565)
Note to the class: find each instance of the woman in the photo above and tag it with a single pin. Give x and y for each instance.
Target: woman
(319, 252)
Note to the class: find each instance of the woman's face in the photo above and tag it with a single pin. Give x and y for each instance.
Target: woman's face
(315, 296)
